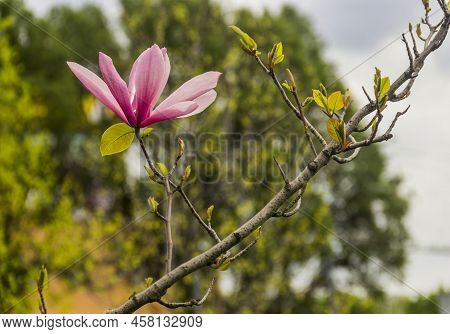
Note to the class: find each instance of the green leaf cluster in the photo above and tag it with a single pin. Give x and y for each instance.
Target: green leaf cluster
(381, 89)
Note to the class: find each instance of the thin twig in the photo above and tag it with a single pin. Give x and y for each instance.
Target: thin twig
(243, 251)
(367, 95)
(208, 229)
(194, 302)
(384, 137)
(305, 122)
(169, 242)
(42, 305)
(283, 174)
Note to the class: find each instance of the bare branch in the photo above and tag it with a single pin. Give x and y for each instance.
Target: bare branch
(386, 136)
(194, 302)
(367, 95)
(410, 56)
(243, 251)
(283, 174)
(307, 126)
(346, 160)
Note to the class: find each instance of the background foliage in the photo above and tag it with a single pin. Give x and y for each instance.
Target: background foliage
(59, 198)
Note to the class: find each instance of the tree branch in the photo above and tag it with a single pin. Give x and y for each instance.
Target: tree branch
(159, 288)
(194, 302)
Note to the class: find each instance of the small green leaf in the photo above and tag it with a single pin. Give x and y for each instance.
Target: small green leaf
(148, 281)
(319, 98)
(153, 203)
(278, 59)
(278, 50)
(146, 132)
(335, 101)
(187, 173)
(286, 86)
(117, 138)
(374, 123)
(385, 85)
(224, 265)
(247, 42)
(323, 89)
(277, 53)
(336, 130)
(42, 279)
(209, 213)
(418, 30)
(162, 167)
(150, 174)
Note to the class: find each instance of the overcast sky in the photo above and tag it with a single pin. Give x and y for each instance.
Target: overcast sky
(353, 30)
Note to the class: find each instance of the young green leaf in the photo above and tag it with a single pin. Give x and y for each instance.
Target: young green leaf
(336, 130)
(248, 43)
(42, 279)
(186, 174)
(153, 203)
(117, 138)
(323, 89)
(209, 213)
(162, 167)
(286, 86)
(385, 85)
(320, 100)
(146, 132)
(335, 101)
(224, 265)
(148, 281)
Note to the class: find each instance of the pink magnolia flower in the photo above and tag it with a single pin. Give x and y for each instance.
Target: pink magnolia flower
(135, 103)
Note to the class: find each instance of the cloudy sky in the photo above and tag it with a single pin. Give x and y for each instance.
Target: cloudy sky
(354, 30)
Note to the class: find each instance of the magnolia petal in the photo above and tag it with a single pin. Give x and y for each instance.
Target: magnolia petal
(98, 88)
(165, 77)
(203, 101)
(192, 89)
(175, 111)
(117, 86)
(147, 74)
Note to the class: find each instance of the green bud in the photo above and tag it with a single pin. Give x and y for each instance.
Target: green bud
(148, 281)
(153, 203)
(162, 167)
(42, 278)
(249, 45)
(146, 132)
(180, 147)
(186, 174)
(209, 213)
